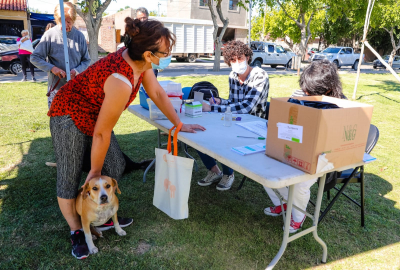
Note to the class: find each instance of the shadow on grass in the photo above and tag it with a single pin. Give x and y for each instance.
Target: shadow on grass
(228, 228)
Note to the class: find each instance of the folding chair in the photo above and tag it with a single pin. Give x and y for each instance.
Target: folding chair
(355, 175)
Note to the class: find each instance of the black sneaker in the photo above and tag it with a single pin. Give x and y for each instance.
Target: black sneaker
(80, 249)
(33, 79)
(123, 222)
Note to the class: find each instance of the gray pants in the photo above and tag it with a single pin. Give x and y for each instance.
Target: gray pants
(70, 145)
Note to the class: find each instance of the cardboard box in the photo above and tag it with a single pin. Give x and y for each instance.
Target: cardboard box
(297, 134)
(193, 109)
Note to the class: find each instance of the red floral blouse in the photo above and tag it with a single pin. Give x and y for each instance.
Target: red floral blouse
(82, 97)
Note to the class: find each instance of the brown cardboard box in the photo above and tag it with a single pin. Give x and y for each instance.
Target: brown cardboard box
(340, 133)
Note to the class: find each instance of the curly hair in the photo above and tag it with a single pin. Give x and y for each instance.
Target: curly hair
(321, 78)
(234, 49)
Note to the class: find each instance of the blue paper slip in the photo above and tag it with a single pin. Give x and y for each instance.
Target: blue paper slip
(249, 149)
(368, 158)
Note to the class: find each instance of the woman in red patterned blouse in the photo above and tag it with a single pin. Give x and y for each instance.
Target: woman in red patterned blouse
(85, 111)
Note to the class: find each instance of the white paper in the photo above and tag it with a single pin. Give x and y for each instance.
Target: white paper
(257, 127)
(290, 132)
(323, 164)
(249, 149)
(198, 96)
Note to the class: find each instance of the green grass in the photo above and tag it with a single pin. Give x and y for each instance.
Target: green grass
(225, 230)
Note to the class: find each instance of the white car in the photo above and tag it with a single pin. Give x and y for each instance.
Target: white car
(269, 53)
(340, 56)
(396, 62)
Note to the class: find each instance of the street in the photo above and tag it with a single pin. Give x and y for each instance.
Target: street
(200, 68)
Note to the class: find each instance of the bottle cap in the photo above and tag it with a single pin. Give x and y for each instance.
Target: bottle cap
(228, 109)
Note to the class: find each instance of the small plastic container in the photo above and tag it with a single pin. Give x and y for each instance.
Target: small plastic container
(143, 98)
(174, 89)
(156, 113)
(228, 117)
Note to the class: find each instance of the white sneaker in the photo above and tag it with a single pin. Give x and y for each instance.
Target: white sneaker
(226, 182)
(210, 178)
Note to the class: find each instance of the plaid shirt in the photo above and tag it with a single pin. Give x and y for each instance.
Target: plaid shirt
(249, 97)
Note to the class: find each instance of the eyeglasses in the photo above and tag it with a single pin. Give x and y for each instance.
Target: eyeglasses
(163, 53)
(143, 19)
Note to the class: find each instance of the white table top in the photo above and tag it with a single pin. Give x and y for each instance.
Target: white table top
(218, 140)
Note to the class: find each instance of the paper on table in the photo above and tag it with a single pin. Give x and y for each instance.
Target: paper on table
(257, 127)
(323, 164)
(368, 158)
(249, 149)
(290, 132)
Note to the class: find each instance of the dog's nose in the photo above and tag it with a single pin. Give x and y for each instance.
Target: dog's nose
(103, 198)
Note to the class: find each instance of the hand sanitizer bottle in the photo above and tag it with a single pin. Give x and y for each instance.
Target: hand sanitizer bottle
(228, 117)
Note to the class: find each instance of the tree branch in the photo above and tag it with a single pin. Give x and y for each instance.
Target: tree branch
(214, 19)
(225, 22)
(297, 22)
(102, 8)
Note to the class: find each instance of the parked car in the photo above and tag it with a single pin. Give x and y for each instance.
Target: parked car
(312, 51)
(340, 56)
(9, 60)
(8, 43)
(396, 62)
(269, 53)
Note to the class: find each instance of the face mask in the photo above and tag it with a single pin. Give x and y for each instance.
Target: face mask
(239, 68)
(164, 62)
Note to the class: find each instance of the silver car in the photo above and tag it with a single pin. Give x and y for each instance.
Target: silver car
(396, 62)
(8, 43)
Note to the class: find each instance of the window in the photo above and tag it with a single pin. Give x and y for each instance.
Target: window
(233, 5)
(270, 48)
(279, 49)
(203, 3)
(348, 51)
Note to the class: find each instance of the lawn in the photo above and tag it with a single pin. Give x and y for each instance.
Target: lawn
(225, 230)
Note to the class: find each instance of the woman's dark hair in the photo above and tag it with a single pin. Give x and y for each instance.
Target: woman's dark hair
(145, 36)
(234, 49)
(321, 78)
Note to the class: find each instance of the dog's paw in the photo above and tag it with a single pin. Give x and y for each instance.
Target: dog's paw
(93, 250)
(121, 232)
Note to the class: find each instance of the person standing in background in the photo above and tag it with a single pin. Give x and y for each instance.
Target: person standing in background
(142, 14)
(25, 55)
(49, 26)
(51, 46)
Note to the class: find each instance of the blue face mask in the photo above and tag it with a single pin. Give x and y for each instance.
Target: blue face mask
(163, 63)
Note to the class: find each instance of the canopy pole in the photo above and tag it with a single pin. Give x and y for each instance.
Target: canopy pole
(366, 24)
(65, 41)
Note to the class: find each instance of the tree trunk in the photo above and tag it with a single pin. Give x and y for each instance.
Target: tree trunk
(217, 39)
(93, 45)
(395, 48)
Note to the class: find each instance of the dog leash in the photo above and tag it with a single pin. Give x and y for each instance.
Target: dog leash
(53, 87)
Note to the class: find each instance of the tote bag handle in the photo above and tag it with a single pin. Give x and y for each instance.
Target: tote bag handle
(175, 139)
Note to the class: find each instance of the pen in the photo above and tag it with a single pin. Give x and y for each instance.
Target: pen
(213, 97)
(259, 138)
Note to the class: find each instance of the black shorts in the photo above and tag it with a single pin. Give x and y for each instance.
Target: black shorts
(70, 145)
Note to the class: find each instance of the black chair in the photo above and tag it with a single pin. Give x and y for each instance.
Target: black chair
(346, 177)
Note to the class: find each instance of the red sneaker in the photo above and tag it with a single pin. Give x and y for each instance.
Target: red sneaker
(274, 211)
(295, 226)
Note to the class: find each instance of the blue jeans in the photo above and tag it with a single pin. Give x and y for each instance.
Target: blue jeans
(209, 162)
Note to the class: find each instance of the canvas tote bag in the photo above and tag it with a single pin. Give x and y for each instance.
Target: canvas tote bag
(172, 180)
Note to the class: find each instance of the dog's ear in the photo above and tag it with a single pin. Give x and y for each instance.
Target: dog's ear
(85, 190)
(115, 184)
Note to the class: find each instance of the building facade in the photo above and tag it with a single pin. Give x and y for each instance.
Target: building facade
(199, 10)
(13, 17)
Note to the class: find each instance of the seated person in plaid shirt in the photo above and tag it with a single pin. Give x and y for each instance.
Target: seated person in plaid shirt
(248, 93)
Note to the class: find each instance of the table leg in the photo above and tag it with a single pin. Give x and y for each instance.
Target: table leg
(316, 217)
(285, 231)
(147, 170)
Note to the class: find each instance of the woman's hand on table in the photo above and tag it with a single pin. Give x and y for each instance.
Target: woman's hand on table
(58, 72)
(206, 107)
(73, 73)
(191, 128)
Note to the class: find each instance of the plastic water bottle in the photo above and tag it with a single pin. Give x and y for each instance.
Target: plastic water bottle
(228, 117)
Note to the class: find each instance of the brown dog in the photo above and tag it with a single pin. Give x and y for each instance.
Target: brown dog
(96, 204)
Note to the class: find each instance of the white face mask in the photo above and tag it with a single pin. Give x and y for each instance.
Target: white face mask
(239, 68)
